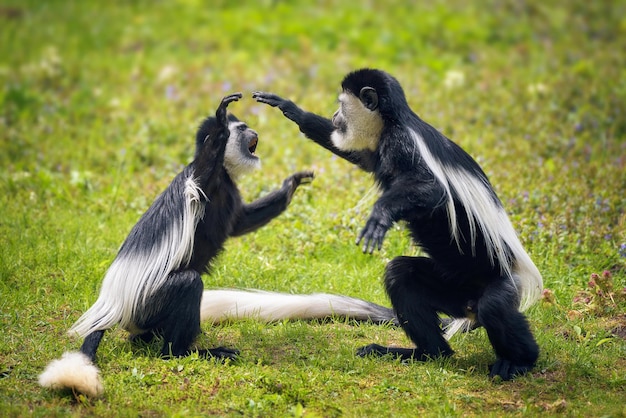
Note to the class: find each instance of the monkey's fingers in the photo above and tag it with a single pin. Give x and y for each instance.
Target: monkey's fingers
(231, 98)
(289, 108)
(220, 114)
(506, 370)
(267, 98)
(366, 243)
(304, 176)
(222, 353)
(369, 246)
(292, 182)
(372, 236)
(372, 349)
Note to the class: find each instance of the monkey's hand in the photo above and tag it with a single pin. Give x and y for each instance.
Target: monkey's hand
(289, 108)
(373, 234)
(220, 113)
(292, 182)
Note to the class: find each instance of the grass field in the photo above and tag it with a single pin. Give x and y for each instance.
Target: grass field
(98, 106)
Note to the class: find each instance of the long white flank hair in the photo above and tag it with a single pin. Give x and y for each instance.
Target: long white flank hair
(483, 214)
(137, 271)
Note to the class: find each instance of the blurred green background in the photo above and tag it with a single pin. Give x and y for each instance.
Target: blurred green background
(99, 102)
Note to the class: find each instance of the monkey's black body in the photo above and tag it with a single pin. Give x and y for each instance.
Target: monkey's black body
(463, 276)
(172, 308)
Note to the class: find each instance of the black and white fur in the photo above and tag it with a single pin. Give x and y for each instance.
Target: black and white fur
(154, 284)
(477, 270)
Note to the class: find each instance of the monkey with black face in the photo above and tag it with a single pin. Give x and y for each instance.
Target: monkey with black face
(154, 284)
(476, 269)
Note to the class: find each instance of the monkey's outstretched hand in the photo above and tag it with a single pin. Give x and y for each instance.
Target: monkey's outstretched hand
(292, 182)
(289, 108)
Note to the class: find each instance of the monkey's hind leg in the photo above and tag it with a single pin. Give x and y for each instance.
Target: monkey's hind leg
(414, 289)
(508, 330)
(174, 310)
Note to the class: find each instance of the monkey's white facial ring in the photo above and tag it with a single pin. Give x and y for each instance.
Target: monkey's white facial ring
(240, 157)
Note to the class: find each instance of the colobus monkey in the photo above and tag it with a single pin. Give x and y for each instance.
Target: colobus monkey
(476, 269)
(154, 283)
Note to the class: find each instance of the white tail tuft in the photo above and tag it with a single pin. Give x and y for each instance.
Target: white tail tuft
(73, 371)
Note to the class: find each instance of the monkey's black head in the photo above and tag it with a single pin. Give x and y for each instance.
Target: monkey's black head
(239, 157)
(370, 98)
(376, 89)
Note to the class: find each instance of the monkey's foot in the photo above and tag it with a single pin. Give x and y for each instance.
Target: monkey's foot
(222, 353)
(401, 353)
(145, 338)
(507, 370)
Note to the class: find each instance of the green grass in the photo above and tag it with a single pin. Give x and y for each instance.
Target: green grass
(98, 106)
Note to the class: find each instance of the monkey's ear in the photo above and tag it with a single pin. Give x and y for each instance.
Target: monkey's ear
(369, 98)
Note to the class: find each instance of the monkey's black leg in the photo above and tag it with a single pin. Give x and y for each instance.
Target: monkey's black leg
(175, 310)
(417, 294)
(508, 330)
(91, 343)
(145, 337)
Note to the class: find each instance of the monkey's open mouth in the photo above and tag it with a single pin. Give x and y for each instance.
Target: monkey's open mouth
(252, 145)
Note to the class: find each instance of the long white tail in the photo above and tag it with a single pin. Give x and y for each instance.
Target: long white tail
(226, 304)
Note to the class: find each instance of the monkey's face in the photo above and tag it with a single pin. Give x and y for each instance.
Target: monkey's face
(358, 123)
(240, 157)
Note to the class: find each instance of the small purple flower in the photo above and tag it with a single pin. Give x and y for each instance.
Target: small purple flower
(603, 205)
(622, 250)
(170, 92)
(226, 86)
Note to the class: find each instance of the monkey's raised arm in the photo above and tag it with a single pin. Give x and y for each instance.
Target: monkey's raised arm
(258, 213)
(209, 160)
(315, 127)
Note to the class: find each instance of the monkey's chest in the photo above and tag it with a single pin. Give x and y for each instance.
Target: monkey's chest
(214, 228)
